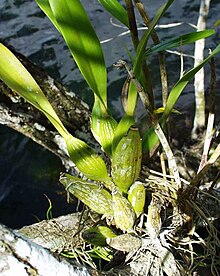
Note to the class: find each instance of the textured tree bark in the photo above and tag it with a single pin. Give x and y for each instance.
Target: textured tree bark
(57, 235)
(63, 234)
(19, 256)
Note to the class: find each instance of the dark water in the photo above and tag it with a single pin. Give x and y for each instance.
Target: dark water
(27, 173)
(26, 170)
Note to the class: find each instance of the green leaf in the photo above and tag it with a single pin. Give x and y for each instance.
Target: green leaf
(180, 85)
(75, 26)
(140, 57)
(96, 117)
(132, 99)
(102, 252)
(116, 10)
(45, 6)
(179, 41)
(97, 235)
(150, 139)
(86, 160)
(161, 110)
(103, 127)
(217, 23)
(108, 126)
(15, 75)
(123, 126)
(128, 119)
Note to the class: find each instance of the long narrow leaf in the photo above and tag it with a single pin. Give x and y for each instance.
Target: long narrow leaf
(180, 85)
(150, 139)
(143, 42)
(15, 75)
(116, 10)
(45, 6)
(75, 26)
(132, 99)
(128, 120)
(179, 41)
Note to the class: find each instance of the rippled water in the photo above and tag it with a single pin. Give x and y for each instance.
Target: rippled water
(26, 170)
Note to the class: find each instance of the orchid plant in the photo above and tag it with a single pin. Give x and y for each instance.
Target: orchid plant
(115, 192)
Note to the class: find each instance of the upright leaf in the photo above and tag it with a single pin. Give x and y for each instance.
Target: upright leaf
(150, 139)
(131, 100)
(45, 6)
(143, 42)
(76, 28)
(73, 23)
(125, 123)
(127, 120)
(180, 85)
(116, 10)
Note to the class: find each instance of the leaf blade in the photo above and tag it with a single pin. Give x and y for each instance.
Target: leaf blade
(15, 75)
(75, 26)
(45, 7)
(143, 42)
(179, 41)
(123, 126)
(116, 10)
(181, 84)
(150, 139)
